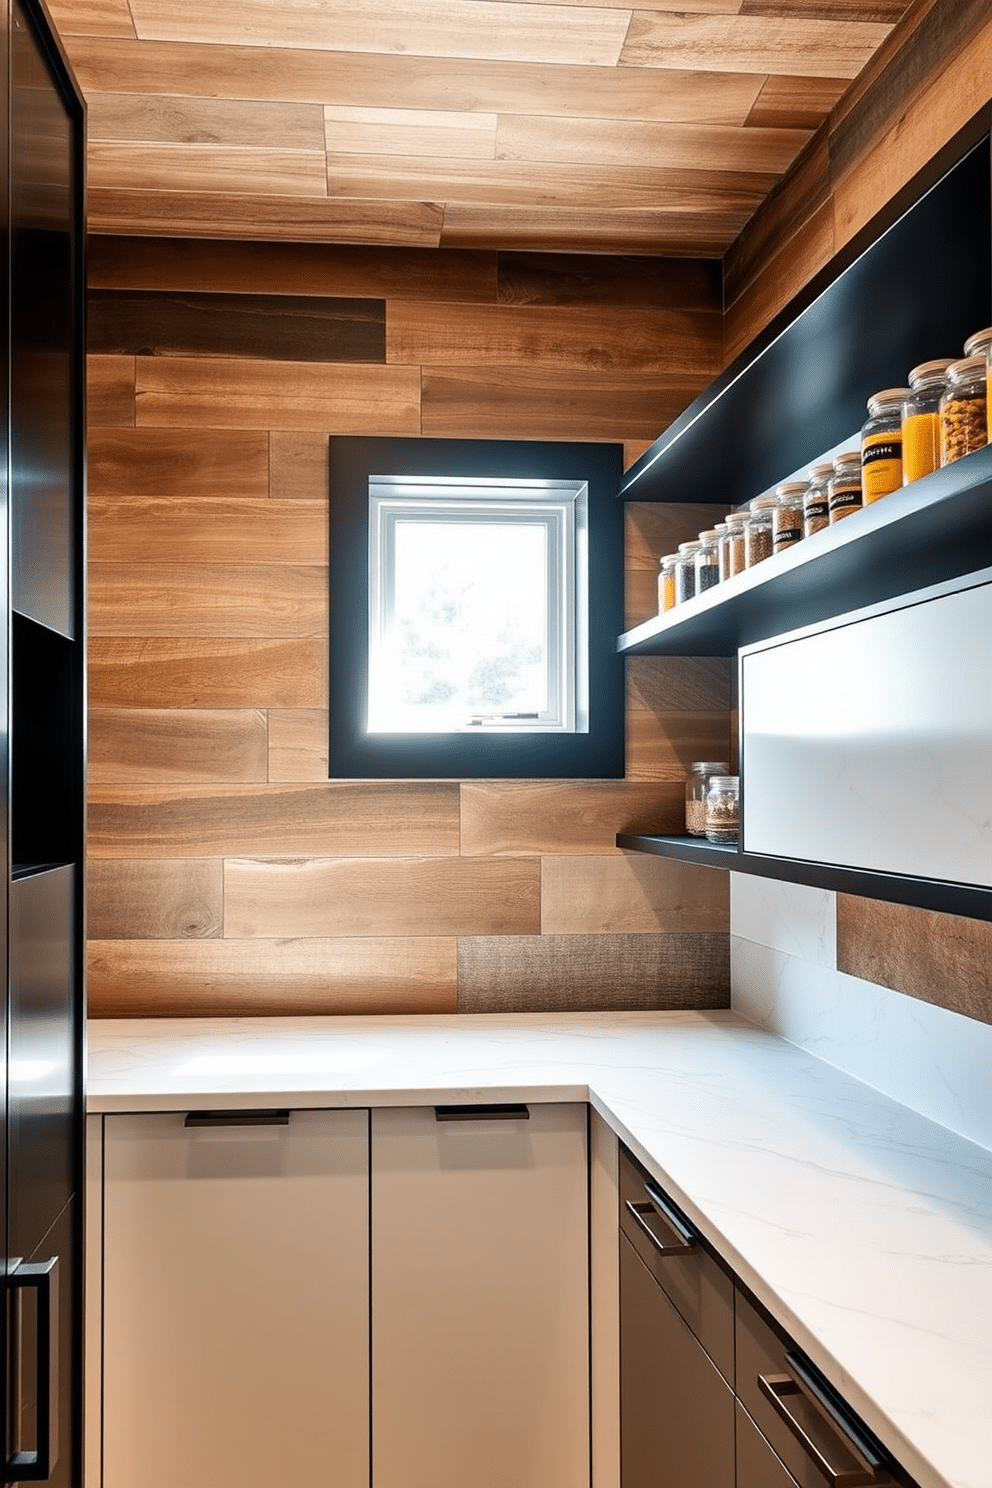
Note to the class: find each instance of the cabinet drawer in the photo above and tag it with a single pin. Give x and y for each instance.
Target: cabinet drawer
(700, 1289)
(757, 1465)
(767, 1366)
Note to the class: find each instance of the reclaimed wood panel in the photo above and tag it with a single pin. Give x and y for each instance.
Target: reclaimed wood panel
(397, 131)
(661, 746)
(618, 338)
(137, 463)
(298, 465)
(491, 29)
(355, 399)
(208, 599)
(225, 168)
(673, 683)
(751, 43)
(182, 120)
(157, 899)
(110, 390)
(567, 816)
(159, 745)
(209, 530)
(584, 230)
(228, 978)
(291, 328)
(592, 973)
(298, 744)
(796, 102)
(192, 672)
(631, 895)
(333, 820)
(426, 896)
(538, 403)
(630, 143)
(938, 958)
(574, 279)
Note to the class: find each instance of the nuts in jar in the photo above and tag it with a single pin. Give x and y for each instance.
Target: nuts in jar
(963, 409)
(787, 517)
(758, 540)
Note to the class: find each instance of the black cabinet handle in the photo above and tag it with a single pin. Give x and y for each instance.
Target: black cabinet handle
(512, 1111)
(261, 1117)
(658, 1207)
(42, 1278)
(866, 1462)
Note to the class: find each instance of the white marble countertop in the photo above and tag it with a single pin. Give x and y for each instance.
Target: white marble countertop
(863, 1227)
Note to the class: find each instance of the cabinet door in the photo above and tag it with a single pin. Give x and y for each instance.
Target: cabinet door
(480, 1323)
(235, 1303)
(676, 1410)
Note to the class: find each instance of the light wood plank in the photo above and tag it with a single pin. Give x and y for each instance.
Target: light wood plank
(633, 449)
(630, 894)
(432, 896)
(95, 18)
(626, 143)
(614, 338)
(772, 44)
(394, 131)
(660, 746)
(807, 251)
(786, 210)
(208, 599)
(298, 744)
(208, 530)
(555, 817)
(195, 745)
(795, 102)
(488, 29)
(654, 528)
(938, 958)
(298, 465)
(110, 391)
(587, 973)
(165, 462)
(228, 978)
(346, 399)
(170, 118)
(157, 899)
(512, 402)
(190, 672)
(226, 168)
(591, 229)
(332, 820)
(218, 215)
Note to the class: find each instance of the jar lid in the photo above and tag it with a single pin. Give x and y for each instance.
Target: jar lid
(720, 528)
(964, 370)
(929, 374)
(817, 472)
(737, 518)
(710, 535)
(669, 558)
(979, 342)
(710, 767)
(888, 398)
(761, 502)
(688, 547)
(848, 457)
(790, 488)
(725, 782)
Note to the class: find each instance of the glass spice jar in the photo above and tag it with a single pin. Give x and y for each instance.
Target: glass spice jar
(881, 444)
(845, 485)
(696, 786)
(723, 812)
(964, 409)
(720, 529)
(707, 558)
(758, 541)
(787, 517)
(920, 420)
(685, 571)
(980, 344)
(666, 583)
(816, 501)
(733, 559)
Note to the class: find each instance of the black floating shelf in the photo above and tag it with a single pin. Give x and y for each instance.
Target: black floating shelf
(936, 529)
(687, 849)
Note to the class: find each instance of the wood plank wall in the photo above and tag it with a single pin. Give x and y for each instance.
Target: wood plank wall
(227, 874)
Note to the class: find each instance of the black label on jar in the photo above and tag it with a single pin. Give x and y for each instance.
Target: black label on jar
(841, 500)
(882, 449)
(786, 536)
(817, 508)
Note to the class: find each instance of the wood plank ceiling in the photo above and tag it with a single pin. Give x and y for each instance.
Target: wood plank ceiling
(587, 125)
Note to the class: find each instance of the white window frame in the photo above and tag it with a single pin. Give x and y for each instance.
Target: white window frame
(561, 507)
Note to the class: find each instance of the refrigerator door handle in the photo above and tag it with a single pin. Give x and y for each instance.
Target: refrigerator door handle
(42, 1278)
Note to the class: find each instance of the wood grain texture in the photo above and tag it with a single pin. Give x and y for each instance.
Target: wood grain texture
(796, 102)
(227, 978)
(197, 745)
(387, 819)
(360, 399)
(98, 18)
(807, 251)
(573, 279)
(298, 744)
(786, 211)
(661, 746)
(185, 531)
(298, 465)
(191, 672)
(593, 229)
(110, 390)
(652, 529)
(136, 463)
(224, 168)
(600, 339)
(631, 895)
(627, 143)
(158, 899)
(938, 958)
(556, 817)
(425, 896)
(208, 599)
(448, 133)
(885, 12)
(175, 119)
(297, 328)
(592, 973)
(752, 43)
(525, 403)
(675, 683)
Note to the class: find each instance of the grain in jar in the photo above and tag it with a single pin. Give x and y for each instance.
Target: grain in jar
(685, 571)
(787, 517)
(733, 559)
(816, 501)
(666, 583)
(758, 539)
(881, 444)
(921, 421)
(964, 409)
(707, 558)
(723, 812)
(696, 786)
(721, 531)
(980, 344)
(845, 485)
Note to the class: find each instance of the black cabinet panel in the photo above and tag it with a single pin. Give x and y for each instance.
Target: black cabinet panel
(44, 1402)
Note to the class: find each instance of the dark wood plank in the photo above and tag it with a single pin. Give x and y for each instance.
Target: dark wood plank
(388, 819)
(158, 899)
(110, 391)
(708, 231)
(795, 102)
(590, 279)
(664, 684)
(194, 745)
(168, 462)
(292, 328)
(190, 672)
(884, 12)
(592, 973)
(788, 208)
(942, 959)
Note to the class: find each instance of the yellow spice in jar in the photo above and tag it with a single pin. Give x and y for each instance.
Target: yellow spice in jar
(920, 446)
